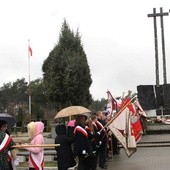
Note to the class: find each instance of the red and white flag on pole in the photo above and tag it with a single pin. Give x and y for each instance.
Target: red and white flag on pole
(135, 119)
(126, 127)
(111, 103)
(122, 130)
(135, 122)
(29, 50)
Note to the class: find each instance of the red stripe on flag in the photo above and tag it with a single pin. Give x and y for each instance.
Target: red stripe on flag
(111, 102)
(30, 51)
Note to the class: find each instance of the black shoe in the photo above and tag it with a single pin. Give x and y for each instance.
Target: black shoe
(116, 152)
(103, 167)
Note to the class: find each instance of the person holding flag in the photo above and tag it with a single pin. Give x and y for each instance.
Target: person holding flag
(103, 140)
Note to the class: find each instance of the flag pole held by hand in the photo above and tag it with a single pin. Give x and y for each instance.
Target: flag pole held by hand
(43, 146)
(119, 112)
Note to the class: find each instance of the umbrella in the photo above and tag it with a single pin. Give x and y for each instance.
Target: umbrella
(8, 118)
(72, 110)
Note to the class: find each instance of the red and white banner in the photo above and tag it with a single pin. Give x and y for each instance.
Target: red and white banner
(37, 163)
(127, 127)
(122, 130)
(111, 103)
(135, 119)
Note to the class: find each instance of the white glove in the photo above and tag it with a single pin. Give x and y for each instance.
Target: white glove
(100, 142)
(94, 152)
(16, 161)
(84, 152)
(98, 133)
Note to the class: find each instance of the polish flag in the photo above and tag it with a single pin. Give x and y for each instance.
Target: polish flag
(30, 51)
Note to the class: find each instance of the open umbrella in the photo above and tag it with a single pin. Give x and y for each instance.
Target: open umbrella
(72, 110)
(8, 118)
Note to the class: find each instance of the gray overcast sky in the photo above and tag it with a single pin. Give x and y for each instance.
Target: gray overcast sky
(117, 36)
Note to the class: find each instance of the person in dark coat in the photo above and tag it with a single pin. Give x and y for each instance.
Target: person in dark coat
(103, 139)
(65, 155)
(82, 146)
(93, 138)
(7, 154)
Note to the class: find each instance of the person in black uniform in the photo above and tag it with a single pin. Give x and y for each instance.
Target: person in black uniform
(103, 140)
(93, 137)
(82, 146)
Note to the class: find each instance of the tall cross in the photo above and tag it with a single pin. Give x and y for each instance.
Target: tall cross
(154, 15)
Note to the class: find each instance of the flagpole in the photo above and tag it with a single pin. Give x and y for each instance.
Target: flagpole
(29, 77)
(108, 92)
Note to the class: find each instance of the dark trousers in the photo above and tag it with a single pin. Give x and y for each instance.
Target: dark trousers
(102, 155)
(8, 168)
(84, 162)
(115, 145)
(94, 161)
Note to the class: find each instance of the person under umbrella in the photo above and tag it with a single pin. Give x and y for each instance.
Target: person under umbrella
(70, 127)
(103, 138)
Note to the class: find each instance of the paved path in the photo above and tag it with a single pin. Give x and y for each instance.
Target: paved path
(145, 158)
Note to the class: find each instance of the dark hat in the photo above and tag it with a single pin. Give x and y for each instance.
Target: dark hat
(60, 129)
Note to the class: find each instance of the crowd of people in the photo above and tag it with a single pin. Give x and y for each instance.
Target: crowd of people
(89, 141)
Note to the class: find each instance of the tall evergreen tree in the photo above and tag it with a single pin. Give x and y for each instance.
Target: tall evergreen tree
(66, 71)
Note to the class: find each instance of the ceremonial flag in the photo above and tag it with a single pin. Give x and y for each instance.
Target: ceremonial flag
(111, 103)
(135, 119)
(122, 130)
(135, 122)
(126, 126)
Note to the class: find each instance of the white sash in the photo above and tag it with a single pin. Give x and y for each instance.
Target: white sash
(4, 142)
(80, 129)
(36, 161)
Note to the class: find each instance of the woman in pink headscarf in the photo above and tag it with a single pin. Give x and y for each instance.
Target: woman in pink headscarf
(36, 156)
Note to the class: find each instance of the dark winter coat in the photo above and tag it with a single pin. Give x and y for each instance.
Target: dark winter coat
(93, 139)
(65, 155)
(103, 136)
(81, 141)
